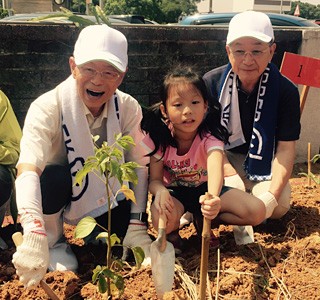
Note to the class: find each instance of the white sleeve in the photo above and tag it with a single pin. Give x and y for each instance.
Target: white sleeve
(29, 202)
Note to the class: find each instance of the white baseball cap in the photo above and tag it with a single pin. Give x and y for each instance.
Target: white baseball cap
(250, 24)
(101, 42)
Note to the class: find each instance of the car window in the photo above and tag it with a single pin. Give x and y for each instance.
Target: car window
(306, 23)
(222, 21)
(276, 22)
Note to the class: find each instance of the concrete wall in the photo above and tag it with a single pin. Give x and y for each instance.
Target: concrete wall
(310, 118)
(34, 59)
(30, 6)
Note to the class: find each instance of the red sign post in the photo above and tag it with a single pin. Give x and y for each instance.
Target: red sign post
(301, 70)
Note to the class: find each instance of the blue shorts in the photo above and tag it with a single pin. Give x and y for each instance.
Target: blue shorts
(189, 196)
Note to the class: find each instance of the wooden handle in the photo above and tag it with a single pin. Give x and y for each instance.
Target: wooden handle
(206, 229)
(17, 238)
(162, 221)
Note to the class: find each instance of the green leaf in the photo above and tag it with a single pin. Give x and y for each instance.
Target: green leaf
(129, 173)
(126, 142)
(315, 158)
(129, 194)
(119, 282)
(85, 227)
(138, 254)
(95, 138)
(117, 154)
(114, 239)
(102, 284)
(118, 136)
(102, 15)
(96, 272)
(114, 168)
(102, 235)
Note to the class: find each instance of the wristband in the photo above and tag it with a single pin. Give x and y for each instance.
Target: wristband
(143, 217)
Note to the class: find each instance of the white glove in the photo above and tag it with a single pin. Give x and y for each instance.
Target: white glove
(137, 236)
(31, 259)
(270, 202)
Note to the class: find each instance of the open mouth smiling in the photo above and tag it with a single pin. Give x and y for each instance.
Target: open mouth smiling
(95, 94)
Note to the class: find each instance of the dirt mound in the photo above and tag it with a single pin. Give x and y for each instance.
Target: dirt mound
(283, 263)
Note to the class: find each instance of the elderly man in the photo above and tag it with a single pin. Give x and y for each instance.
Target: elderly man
(260, 107)
(57, 140)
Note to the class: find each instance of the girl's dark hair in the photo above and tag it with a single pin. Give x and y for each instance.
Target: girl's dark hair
(155, 125)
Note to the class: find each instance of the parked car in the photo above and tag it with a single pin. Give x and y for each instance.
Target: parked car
(224, 19)
(27, 18)
(133, 19)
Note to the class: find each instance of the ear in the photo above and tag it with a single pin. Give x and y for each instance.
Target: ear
(163, 111)
(72, 65)
(273, 48)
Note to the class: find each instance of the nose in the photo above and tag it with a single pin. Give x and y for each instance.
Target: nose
(97, 78)
(248, 57)
(187, 110)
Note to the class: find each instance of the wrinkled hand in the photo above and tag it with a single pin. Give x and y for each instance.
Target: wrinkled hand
(137, 236)
(31, 259)
(210, 205)
(270, 202)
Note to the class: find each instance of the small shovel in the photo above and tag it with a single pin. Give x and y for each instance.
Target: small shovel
(243, 234)
(162, 260)
(18, 239)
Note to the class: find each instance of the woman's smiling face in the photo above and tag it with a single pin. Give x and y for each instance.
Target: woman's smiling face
(96, 83)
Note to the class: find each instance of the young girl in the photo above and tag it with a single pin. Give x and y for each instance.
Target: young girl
(186, 158)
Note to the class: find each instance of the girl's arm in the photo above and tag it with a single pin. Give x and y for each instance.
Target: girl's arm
(156, 186)
(215, 172)
(211, 203)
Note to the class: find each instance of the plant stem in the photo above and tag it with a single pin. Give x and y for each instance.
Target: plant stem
(109, 234)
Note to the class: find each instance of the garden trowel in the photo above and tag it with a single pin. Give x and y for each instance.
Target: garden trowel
(243, 234)
(162, 260)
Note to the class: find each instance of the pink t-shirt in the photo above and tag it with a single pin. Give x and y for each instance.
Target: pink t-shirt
(190, 169)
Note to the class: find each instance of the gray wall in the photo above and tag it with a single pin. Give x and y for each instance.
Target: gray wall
(34, 58)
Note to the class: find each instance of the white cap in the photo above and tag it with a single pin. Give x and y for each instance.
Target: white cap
(250, 24)
(101, 42)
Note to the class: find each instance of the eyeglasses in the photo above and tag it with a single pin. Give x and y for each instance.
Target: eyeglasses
(91, 73)
(254, 53)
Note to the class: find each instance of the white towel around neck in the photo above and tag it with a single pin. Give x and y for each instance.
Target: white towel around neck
(90, 199)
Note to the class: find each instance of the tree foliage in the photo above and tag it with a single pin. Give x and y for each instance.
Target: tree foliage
(169, 11)
(307, 10)
(161, 11)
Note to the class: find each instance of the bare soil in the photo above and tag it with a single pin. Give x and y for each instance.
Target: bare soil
(283, 263)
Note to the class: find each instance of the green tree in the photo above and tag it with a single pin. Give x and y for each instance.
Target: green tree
(148, 8)
(3, 12)
(173, 9)
(162, 11)
(307, 10)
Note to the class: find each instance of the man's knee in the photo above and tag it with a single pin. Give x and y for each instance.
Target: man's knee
(283, 202)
